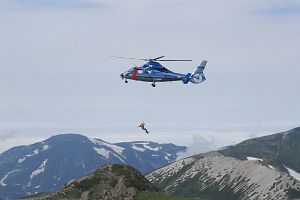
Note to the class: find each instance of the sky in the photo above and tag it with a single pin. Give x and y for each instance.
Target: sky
(57, 77)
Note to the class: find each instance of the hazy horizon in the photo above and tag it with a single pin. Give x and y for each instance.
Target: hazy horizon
(57, 77)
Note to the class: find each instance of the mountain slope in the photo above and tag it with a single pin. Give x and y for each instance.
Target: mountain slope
(233, 174)
(155, 155)
(110, 182)
(214, 176)
(48, 165)
(115, 182)
(280, 150)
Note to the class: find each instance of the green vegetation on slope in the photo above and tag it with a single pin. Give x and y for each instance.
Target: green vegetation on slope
(159, 196)
(131, 179)
(112, 182)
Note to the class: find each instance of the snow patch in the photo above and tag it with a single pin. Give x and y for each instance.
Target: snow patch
(115, 148)
(5, 177)
(83, 165)
(36, 172)
(71, 181)
(107, 153)
(168, 154)
(39, 170)
(146, 146)
(45, 147)
(253, 158)
(294, 174)
(138, 148)
(119, 158)
(271, 167)
(102, 152)
(20, 160)
(141, 143)
(35, 152)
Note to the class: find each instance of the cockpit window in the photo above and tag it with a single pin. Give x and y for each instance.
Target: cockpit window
(140, 71)
(163, 69)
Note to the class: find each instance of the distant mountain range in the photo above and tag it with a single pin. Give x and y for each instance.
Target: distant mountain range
(261, 168)
(46, 166)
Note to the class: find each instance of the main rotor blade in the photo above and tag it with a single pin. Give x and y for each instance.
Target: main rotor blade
(175, 60)
(147, 59)
(129, 58)
(157, 58)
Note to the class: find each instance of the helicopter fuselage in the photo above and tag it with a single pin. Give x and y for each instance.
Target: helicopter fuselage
(154, 72)
(152, 76)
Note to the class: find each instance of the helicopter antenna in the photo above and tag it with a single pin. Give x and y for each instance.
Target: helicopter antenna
(151, 59)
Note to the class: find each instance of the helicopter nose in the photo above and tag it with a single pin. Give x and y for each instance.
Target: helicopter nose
(122, 75)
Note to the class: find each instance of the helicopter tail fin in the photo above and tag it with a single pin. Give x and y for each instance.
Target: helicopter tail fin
(197, 76)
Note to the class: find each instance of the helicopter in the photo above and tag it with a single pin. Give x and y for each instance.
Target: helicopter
(153, 71)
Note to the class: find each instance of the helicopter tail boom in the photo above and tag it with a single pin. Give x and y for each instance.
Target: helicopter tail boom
(197, 76)
(186, 79)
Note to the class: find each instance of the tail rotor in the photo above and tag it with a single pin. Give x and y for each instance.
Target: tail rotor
(197, 76)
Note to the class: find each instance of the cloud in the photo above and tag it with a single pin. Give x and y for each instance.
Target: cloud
(7, 135)
(199, 145)
(52, 4)
(279, 7)
(13, 137)
(225, 135)
(252, 135)
(285, 10)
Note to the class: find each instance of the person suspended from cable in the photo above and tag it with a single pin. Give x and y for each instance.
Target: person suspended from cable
(142, 126)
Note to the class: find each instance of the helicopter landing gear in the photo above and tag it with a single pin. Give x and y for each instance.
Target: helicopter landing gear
(153, 84)
(126, 81)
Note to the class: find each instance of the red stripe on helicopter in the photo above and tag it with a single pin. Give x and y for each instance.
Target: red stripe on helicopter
(134, 73)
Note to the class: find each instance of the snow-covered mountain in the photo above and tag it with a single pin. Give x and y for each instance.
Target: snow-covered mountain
(259, 168)
(46, 166)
